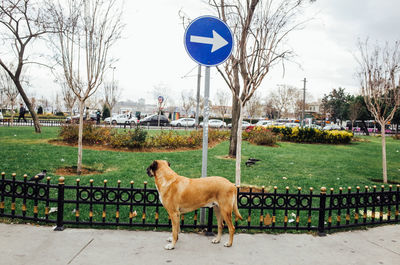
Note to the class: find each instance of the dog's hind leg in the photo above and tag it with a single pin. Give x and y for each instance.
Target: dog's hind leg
(175, 230)
(227, 215)
(220, 225)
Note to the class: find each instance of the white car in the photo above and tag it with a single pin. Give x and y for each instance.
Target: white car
(118, 119)
(292, 125)
(185, 122)
(245, 124)
(332, 127)
(264, 123)
(213, 123)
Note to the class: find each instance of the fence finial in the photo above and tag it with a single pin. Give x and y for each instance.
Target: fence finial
(61, 180)
(323, 190)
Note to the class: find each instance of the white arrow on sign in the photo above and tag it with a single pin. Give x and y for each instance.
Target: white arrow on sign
(216, 41)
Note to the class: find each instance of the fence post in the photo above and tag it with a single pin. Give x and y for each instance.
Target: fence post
(210, 222)
(321, 218)
(60, 207)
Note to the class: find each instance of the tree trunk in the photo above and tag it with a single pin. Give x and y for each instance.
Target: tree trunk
(12, 117)
(384, 168)
(239, 147)
(29, 106)
(234, 129)
(365, 128)
(80, 136)
(12, 113)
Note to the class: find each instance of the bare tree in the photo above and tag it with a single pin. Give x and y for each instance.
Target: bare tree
(379, 75)
(11, 92)
(260, 29)
(193, 101)
(354, 111)
(23, 22)
(111, 94)
(186, 103)
(254, 107)
(68, 97)
(87, 30)
(222, 100)
(283, 99)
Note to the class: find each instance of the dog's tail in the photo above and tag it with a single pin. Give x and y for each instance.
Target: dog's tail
(235, 208)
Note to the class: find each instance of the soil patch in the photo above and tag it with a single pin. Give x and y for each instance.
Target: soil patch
(71, 171)
(226, 157)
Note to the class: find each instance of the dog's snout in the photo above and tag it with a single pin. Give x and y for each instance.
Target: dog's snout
(149, 172)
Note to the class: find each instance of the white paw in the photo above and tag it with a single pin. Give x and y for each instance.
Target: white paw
(227, 245)
(215, 241)
(169, 246)
(169, 239)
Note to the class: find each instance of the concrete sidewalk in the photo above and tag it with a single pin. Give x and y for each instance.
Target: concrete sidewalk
(28, 244)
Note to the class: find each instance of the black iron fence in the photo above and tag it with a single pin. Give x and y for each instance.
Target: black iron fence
(134, 206)
(29, 122)
(56, 123)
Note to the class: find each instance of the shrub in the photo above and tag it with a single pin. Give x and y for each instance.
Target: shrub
(172, 140)
(138, 138)
(311, 135)
(130, 139)
(260, 136)
(91, 134)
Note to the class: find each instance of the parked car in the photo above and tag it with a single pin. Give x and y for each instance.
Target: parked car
(133, 121)
(118, 119)
(1, 115)
(153, 120)
(313, 126)
(185, 122)
(75, 119)
(292, 124)
(331, 127)
(264, 123)
(245, 124)
(214, 123)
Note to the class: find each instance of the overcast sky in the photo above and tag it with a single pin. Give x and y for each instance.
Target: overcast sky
(152, 53)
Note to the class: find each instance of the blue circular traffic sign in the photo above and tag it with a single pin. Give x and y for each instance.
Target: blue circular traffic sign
(208, 40)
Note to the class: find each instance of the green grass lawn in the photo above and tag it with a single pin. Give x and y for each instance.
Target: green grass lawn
(290, 164)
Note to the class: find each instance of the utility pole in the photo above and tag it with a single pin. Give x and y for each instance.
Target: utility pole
(303, 122)
(198, 95)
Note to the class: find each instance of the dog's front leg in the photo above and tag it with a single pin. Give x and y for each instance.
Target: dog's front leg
(175, 230)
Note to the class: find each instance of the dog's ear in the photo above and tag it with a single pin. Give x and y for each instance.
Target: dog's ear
(169, 164)
(152, 169)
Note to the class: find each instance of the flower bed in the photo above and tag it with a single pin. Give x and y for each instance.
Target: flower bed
(311, 135)
(259, 135)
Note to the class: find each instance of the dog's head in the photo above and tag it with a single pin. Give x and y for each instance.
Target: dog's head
(152, 169)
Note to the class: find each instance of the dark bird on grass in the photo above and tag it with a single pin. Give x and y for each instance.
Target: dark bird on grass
(38, 177)
(251, 161)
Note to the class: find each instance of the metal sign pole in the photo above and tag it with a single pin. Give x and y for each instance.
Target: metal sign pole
(198, 95)
(205, 134)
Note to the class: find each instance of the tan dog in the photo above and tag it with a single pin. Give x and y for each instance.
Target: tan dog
(180, 195)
